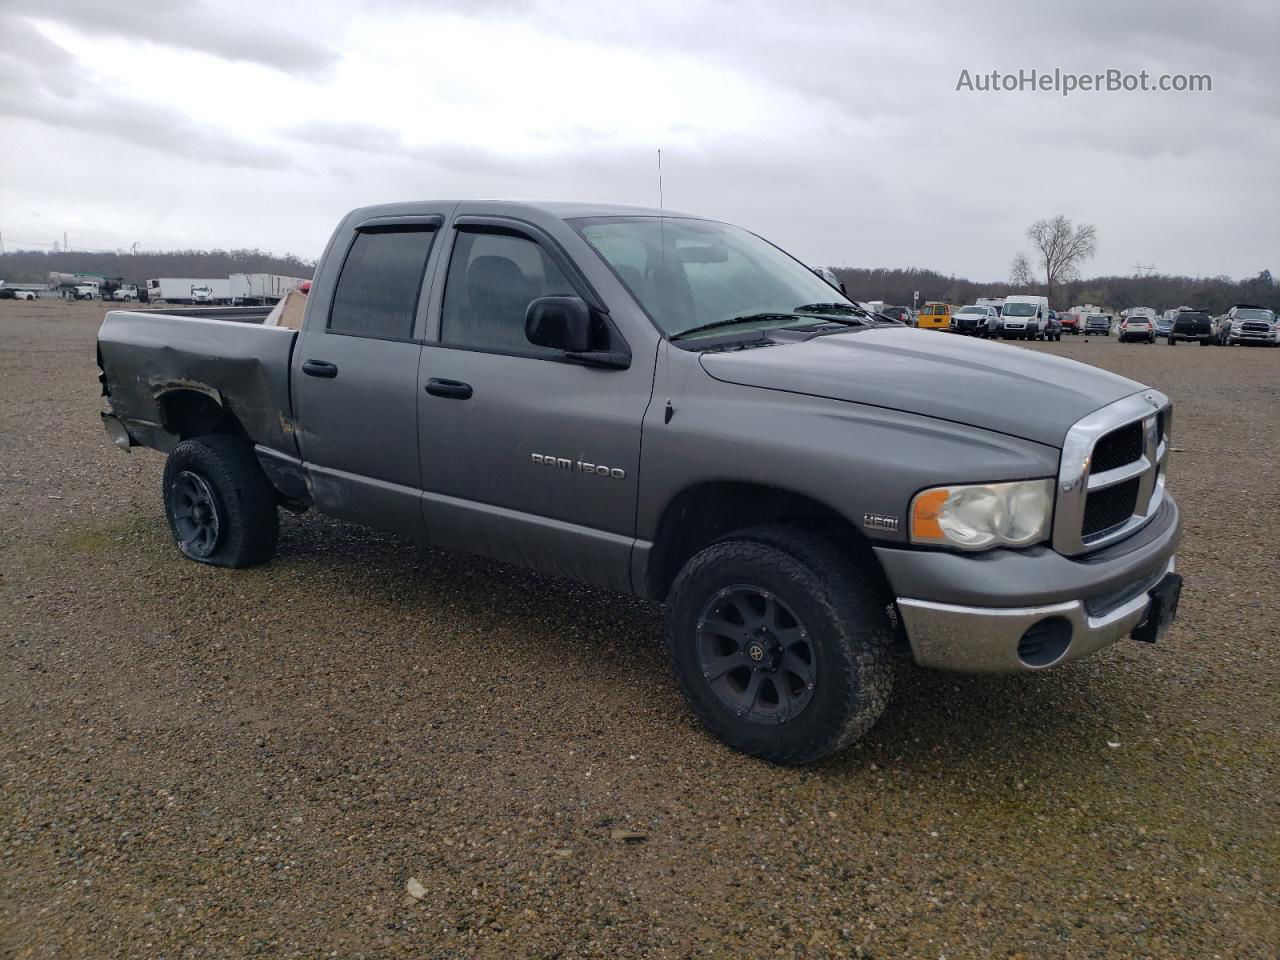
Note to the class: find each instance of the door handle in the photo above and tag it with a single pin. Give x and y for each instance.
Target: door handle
(320, 368)
(453, 389)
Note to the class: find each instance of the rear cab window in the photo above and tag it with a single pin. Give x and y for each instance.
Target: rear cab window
(381, 280)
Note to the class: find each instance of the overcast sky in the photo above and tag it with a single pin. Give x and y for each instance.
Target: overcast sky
(834, 129)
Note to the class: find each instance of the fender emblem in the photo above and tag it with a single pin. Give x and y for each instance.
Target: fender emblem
(880, 521)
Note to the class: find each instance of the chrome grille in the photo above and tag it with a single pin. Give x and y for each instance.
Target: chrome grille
(1111, 478)
(1109, 507)
(1118, 448)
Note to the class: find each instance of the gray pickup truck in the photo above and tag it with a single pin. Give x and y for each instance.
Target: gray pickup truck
(672, 407)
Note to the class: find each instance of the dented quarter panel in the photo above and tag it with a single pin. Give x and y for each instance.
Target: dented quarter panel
(243, 366)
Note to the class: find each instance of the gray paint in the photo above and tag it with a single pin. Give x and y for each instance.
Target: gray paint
(243, 366)
(857, 421)
(988, 385)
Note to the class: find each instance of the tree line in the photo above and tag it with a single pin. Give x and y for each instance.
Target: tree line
(893, 285)
(34, 266)
(1215, 294)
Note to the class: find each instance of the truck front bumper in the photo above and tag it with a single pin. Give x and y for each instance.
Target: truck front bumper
(1016, 611)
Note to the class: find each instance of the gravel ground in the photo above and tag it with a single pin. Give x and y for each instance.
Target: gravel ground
(200, 762)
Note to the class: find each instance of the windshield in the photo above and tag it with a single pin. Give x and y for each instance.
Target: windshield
(689, 273)
(1019, 309)
(982, 311)
(1255, 315)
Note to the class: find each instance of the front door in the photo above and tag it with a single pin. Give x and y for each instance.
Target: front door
(355, 380)
(525, 457)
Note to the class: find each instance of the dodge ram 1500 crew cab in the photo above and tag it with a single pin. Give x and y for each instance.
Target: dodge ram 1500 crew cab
(673, 407)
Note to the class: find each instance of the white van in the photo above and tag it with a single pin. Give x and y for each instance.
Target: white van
(1024, 318)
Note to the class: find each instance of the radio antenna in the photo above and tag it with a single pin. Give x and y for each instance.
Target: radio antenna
(659, 178)
(662, 220)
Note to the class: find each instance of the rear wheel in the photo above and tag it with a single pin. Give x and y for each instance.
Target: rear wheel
(780, 644)
(220, 506)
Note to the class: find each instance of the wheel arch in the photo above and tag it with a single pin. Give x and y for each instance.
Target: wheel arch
(191, 410)
(708, 511)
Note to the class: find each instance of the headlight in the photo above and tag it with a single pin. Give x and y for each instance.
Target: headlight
(979, 516)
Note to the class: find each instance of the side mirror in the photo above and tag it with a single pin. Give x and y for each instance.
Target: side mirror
(843, 288)
(561, 323)
(565, 323)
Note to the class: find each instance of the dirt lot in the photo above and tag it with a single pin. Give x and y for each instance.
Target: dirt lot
(200, 762)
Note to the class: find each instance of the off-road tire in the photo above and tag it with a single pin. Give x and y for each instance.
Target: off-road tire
(841, 606)
(243, 500)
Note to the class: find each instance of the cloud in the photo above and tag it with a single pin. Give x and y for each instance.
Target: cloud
(40, 81)
(249, 35)
(833, 128)
(349, 135)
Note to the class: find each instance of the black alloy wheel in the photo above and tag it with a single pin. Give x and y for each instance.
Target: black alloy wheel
(756, 654)
(197, 515)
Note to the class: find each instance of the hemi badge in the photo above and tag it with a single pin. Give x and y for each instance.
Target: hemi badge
(880, 521)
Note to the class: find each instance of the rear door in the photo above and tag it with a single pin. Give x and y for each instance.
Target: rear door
(525, 457)
(355, 376)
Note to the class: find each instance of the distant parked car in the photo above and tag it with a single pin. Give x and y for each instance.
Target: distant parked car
(1245, 323)
(1192, 325)
(934, 316)
(901, 314)
(1163, 323)
(24, 294)
(1024, 317)
(1097, 324)
(1053, 326)
(1070, 322)
(975, 320)
(1138, 327)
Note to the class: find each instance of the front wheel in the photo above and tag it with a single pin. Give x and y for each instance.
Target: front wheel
(220, 506)
(780, 644)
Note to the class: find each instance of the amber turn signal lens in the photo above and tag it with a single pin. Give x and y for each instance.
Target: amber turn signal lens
(924, 515)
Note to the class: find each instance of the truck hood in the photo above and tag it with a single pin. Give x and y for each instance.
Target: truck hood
(1007, 389)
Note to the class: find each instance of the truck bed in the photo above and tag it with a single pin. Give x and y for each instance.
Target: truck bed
(151, 358)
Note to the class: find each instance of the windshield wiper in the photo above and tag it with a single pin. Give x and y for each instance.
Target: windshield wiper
(826, 309)
(733, 322)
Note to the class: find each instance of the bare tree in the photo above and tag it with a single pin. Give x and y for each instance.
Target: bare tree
(1062, 247)
(1020, 274)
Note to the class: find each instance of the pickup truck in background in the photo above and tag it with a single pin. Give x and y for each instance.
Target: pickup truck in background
(672, 407)
(1249, 324)
(1194, 325)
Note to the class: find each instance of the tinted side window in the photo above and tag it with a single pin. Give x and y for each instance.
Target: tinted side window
(377, 293)
(492, 279)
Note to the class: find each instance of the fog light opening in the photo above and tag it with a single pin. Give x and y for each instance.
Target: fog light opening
(1045, 642)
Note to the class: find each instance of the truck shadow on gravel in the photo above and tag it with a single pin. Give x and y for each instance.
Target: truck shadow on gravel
(957, 721)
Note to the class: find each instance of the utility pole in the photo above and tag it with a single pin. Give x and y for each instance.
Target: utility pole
(1144, 269)
(64, 241)
(1, 244)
